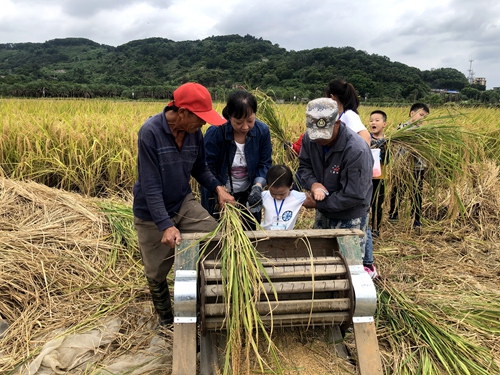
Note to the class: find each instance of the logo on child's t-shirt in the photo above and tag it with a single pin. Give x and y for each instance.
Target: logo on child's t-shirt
(287, 215)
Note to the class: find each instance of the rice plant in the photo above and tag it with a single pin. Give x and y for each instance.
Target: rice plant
(281, 131)
(84, 146)
(431, 346)
(243, 276)
(122, 232)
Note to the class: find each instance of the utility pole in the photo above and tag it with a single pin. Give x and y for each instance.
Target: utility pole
(471, 73)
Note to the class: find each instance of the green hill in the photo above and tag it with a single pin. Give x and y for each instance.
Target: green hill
(152, 68)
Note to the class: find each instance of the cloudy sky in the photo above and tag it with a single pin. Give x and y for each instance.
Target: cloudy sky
(432, 34)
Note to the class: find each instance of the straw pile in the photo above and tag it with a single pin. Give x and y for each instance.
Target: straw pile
(61, 275)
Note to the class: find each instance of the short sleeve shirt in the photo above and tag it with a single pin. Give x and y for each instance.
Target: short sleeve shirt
(284, 212)
(352, 120)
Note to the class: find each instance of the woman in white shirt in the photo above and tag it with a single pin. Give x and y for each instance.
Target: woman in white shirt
(348, 102)
(347, 99)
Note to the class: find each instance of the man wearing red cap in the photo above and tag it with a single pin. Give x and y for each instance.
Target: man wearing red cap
(171, 150)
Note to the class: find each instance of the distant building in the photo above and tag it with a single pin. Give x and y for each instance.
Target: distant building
(496, 88)
(444, 91)
(479, 81)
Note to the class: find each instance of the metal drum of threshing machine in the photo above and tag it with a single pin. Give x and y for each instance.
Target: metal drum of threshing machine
(318, 278)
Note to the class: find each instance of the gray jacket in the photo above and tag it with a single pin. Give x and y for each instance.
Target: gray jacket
(345, 169)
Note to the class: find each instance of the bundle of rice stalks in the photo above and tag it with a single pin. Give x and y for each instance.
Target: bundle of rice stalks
(243, 276)
(269, 113)
(443, 150)
(281, 134)
(120, 218)
(473, 312)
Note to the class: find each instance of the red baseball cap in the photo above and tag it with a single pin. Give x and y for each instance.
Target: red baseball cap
(196, 98)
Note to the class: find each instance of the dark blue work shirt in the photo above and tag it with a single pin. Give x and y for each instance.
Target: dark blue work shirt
(165, 171)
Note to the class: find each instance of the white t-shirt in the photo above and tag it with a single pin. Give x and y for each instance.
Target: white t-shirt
(352, 120)
(239, 170)
(281, 214)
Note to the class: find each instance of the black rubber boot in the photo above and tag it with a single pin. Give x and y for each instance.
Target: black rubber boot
(161, 301)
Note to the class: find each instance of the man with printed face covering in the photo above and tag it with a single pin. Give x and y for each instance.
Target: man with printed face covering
(336, 165)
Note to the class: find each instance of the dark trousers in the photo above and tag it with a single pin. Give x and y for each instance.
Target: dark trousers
(416, 206)
(377, 201)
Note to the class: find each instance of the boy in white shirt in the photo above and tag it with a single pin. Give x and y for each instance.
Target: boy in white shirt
(281, 204)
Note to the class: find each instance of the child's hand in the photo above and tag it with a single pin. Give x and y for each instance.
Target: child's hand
(379, 143)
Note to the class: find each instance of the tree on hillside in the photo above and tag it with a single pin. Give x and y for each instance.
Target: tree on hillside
(445, 78)
(470, 93)
(219, 62)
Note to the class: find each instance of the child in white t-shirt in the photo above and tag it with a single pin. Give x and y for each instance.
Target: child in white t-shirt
(281, 204)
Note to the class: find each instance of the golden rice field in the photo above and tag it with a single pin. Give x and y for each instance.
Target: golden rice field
(70, 269)
(90, 146)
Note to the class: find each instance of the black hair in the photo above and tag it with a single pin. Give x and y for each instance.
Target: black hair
(172, 107)
(345, 93)
(240, 104)
(417, 106)
(379, 112)
(278, 176)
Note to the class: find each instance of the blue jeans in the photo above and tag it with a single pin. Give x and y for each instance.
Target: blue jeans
(368, 257)
(322, 222)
